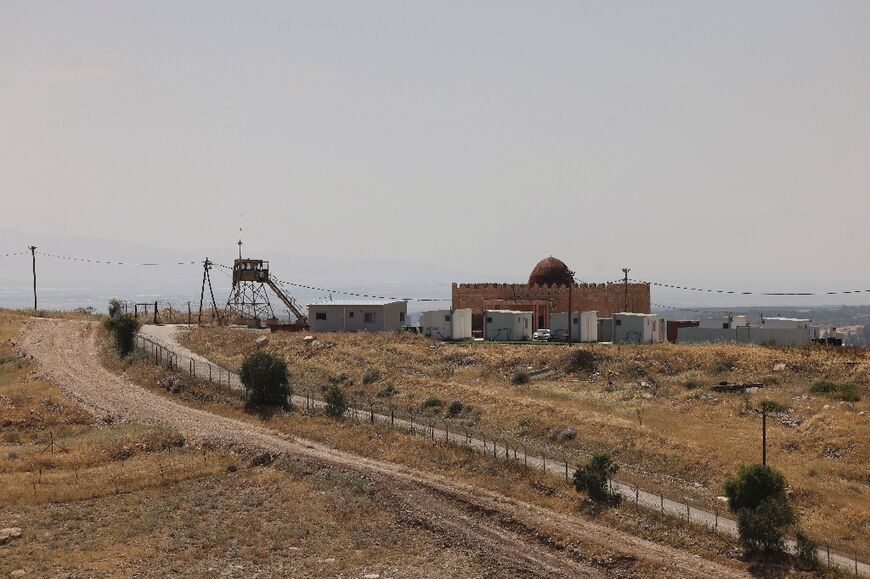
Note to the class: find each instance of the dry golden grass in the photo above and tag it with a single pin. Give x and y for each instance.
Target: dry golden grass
(130, 500)
(636, 404)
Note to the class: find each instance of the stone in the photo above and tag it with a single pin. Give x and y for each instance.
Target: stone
(779, 367)
(308, 339)
(8, 534)
(262, 342)
(17, 573)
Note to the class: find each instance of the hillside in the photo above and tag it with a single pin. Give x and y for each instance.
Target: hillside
(651, 405)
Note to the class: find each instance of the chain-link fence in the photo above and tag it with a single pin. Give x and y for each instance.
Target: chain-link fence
(454, 431)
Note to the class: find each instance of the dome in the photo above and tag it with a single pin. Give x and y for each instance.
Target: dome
(551, 271)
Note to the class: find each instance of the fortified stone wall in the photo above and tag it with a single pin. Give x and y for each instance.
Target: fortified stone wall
(605, 298)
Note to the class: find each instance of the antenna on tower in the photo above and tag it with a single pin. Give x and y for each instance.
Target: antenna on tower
(241, 217)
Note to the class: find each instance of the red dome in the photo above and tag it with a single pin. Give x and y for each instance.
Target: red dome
(551, 271)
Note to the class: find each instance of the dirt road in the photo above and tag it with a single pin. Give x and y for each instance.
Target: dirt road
(515, 538)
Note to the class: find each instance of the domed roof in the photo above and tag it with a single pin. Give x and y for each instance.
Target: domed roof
(551, 271)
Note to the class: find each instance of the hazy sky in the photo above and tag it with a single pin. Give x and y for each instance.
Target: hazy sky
(689, 140)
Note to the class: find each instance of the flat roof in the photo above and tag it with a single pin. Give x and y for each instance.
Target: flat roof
(347, 303)
(508, 312)
(787, 319)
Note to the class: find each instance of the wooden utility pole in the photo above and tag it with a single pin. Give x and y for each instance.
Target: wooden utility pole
(570, 305)
(625, 271)
(33, 255)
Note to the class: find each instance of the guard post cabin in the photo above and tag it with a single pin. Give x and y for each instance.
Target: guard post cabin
(584, 326)
(507, 325)
(356, 316)
(446, 324)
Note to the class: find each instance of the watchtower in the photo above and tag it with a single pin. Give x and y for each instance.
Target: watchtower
(249, 297)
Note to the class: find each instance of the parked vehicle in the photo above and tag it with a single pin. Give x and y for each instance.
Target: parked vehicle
(542, 335)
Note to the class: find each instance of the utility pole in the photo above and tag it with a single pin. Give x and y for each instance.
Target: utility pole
(33, 255)
(570, 305)
(763, 434)
(625, 271)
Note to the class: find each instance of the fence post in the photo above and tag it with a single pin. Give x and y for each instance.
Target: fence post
(194, 367)
(392, 417)
(662, 501)
(717, 519)
(446, 431)
(688, 513)
(566, 470)
(544, 456)
(209, 373)
(636, 494)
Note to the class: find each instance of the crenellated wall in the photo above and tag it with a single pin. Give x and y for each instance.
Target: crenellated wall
(605, 298)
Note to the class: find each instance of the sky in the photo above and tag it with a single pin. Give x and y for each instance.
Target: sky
(721, 144)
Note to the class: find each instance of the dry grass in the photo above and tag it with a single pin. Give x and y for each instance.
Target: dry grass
(634, 402)
(131, 500)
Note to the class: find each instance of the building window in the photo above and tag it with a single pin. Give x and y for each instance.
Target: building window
(401, 316)
(369, 317)
(350, 314)
(320, 316)
(489, 319)
(724, 325)
(618, 322)
(446, 318)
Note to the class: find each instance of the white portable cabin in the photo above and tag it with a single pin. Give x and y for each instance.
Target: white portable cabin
(722, 322)
(354, 316)
(507, 325)
(634, 328)
(785, 323)
(584, 326)
(446, 324)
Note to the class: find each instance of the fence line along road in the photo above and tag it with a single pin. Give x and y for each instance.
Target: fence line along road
(162, 349)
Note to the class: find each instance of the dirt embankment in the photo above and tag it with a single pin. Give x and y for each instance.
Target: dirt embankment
(517, 538)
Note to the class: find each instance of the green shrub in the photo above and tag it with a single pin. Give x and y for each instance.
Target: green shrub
(124, 330)
(336, 401)
(387, 391)
(455, 408)
(431, 402)
(773, 406)
(693, 383)
(371, 375)
(757, 495)
(520, 377)
(264, 376)
(580, 359)
(593, 477)
(761, 529)
(845, 391)
(807, 550)
(114, 309)
(722, 366)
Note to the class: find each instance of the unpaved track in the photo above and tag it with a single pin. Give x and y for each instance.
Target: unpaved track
(511, 535)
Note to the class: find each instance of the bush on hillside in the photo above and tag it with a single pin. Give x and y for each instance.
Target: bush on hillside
(264, 376)
(454, 408)
(520, 377)
(807, 550)
(844, 391)
(371, 375)
(387, 391)
(580, 359)
(757, 495)
(336, 401)
(594, 476)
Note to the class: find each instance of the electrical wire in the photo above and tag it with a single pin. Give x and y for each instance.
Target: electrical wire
(105, 262)
(749, 293)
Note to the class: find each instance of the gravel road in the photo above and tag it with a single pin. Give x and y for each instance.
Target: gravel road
(515, 538)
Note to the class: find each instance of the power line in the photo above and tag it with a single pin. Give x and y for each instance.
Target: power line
(749, 293)
(106, 262)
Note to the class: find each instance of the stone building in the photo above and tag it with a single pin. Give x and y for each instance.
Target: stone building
(548, 292)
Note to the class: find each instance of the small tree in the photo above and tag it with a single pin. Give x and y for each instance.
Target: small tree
(757, 495)
(592, 478)
(114, 309)
(123, 328)
(336, 401)
(520, 377)
(264, 376)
